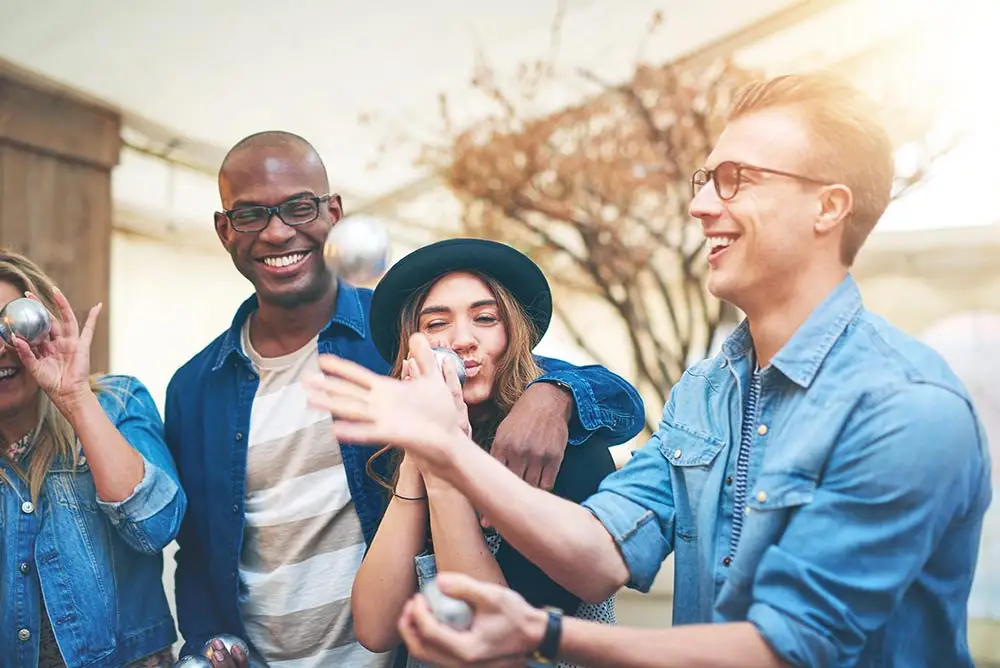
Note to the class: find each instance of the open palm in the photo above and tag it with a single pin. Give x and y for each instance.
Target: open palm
(61, 364)
(417, 415)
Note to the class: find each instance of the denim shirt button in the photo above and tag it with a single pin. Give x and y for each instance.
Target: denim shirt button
(236, 508)
(677, 454)
(239, 436)
(726, 561)
(762, 429)
(25, 568)
(27, 507)
(761, 497)
(24, 635)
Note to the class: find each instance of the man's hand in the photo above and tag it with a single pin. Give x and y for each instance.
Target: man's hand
(221, 658)
(531, 440)
(505, 628)
(419, 415)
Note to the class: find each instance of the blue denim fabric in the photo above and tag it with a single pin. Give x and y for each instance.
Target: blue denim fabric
(99, 565)
(868, 481)
(208, 417)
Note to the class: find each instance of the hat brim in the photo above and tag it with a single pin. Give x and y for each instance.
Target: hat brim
(505, 264)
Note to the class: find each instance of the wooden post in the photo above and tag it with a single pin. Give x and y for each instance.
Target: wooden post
(57, 151)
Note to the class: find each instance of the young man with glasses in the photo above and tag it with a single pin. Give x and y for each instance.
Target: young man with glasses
(821, 482)
(279, 513)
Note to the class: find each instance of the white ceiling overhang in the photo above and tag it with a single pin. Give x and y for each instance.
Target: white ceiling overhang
(193, 77)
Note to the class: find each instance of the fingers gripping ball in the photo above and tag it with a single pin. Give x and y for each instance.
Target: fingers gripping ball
(27, 319)
(454, 612)
(445, 354)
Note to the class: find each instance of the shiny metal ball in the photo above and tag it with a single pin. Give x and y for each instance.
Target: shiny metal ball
(454, 612)
(229, 641)
(193, 662)
(26, 319)
(357, 249)
(445, 354)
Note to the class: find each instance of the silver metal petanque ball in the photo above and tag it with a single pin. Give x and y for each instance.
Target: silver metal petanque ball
(229, 641)
(26, 319)
(357, 249)
(193, 662)
(444, 354)
(451, 611)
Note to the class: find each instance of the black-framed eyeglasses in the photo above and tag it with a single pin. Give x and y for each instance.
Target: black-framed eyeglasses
(296, 211)
(727, 177)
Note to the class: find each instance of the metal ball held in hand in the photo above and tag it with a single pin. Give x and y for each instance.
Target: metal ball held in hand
(26, 319)
(444, 354)
(357, 249)
(453, 612)
(228, 641)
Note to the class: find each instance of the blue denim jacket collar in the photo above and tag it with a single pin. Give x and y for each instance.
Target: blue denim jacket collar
(348, 313)
(800, 359)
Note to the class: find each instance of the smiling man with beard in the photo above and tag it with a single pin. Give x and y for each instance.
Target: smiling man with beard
(280, 513)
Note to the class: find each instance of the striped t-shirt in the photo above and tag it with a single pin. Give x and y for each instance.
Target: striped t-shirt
(303, 544)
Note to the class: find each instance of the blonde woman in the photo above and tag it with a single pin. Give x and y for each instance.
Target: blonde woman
(88, 499)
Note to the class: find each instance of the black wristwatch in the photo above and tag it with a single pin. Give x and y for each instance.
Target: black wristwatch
(548, 649)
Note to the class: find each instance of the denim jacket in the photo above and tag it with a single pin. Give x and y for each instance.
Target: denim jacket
(99, 565)
(208, 407)
(865, 488)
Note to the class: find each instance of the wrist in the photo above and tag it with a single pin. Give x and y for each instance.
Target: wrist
(76, 404)
(410, 482)
(558, 396)
(534, 627)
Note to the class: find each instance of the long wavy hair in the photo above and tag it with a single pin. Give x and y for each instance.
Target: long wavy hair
(515, 370)
(53, 435)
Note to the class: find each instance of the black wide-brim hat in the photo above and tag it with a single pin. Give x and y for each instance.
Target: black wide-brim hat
(505, 264)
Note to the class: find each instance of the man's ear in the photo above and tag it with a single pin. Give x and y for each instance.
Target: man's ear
(223, 229)
(836, 203)
(336, 208)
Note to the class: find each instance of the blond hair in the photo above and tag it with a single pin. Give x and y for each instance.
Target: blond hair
(516, 369)
(53, 435)
(852, 146)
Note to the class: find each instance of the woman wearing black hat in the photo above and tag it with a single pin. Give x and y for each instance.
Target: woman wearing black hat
(490, 304)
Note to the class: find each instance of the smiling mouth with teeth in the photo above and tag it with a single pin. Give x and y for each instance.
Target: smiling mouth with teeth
(7, 372)
(713, 244)
(279, 261)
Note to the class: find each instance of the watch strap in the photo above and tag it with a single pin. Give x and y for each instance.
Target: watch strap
(548, 649)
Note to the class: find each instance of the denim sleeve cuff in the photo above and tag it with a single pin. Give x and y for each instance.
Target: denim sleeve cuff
(636, 533)
(153, 493)
(587, 416)
(796, 644)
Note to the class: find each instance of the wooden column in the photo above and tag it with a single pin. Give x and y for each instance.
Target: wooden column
(57, 151)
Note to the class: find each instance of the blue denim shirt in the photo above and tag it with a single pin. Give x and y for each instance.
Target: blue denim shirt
(208, 417)
(866, 485)
(99, 565)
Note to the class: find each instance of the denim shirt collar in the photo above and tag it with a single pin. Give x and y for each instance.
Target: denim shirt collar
(801, 357)
(349, 313)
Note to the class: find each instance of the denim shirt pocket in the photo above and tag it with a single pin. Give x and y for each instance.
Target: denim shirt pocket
(692, 455)
(773, 501)
(73, 488)
(777, 490)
